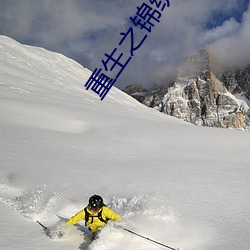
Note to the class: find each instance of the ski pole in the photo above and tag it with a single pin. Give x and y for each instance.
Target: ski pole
(146, 238)
(45, 228)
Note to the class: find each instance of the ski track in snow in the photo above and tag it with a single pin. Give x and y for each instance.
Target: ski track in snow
(43, 117)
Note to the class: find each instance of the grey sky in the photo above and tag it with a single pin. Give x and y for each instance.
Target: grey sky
(87, 29)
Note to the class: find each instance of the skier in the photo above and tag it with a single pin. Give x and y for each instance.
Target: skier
(95, 214)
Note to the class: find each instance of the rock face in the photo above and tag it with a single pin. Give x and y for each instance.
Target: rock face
(237, 81)
(201, 97)
(137, 91)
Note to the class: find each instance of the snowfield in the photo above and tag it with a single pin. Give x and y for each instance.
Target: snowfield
(181, 185)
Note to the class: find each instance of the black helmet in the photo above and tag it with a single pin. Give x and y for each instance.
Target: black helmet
(96, 202)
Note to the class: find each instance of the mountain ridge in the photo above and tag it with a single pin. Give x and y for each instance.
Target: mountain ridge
(201, 95)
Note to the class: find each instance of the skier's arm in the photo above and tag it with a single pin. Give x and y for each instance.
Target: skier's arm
(110, 214)
(77, 217)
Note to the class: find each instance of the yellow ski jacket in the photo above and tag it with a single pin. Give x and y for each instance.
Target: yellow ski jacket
(94, 223)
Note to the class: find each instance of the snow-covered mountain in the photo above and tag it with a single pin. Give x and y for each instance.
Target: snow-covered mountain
(202, 96)
(182, 185)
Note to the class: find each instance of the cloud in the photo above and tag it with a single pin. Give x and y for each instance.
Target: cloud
(229, 27)
(85, 30)
(233, 49)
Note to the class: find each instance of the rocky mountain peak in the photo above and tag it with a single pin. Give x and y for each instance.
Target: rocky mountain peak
(197, 64)
(202, 97)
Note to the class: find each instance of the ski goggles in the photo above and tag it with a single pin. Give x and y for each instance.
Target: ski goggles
(94, 208)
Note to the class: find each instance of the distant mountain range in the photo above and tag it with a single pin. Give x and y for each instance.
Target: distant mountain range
(201, 94)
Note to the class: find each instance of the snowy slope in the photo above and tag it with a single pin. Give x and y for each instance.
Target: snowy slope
(179, 184)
